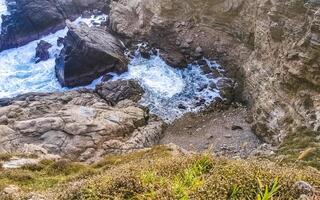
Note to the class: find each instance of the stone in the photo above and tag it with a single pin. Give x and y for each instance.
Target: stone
(88, 53)
(116, 91)
(235, 127)
(303, 188)
(31, 19)
(173, 58)
(42, 51)
(78, 125)
(11, 190)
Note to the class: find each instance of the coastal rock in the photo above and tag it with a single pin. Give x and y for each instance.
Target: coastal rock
(78, 125)
(42, 51)
(88, 53)
(31, 19)
(270, 47)
(116, 91)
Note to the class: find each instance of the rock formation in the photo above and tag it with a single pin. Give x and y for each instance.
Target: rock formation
(42, 52)
(78, 125)
(88, 53)
(272, 47)
(31, 19)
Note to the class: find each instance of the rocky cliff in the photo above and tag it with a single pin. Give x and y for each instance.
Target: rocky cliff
(271, 47)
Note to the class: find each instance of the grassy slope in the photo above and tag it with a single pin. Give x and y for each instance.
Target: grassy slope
(158, 174)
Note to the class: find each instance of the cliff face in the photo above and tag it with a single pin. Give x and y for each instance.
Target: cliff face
(274, 45)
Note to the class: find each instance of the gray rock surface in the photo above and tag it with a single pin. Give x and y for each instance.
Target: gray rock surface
(78, 125)
(88, 53)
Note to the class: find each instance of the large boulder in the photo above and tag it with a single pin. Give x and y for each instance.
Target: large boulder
(88, 53)
(31, 19)
(77, 125)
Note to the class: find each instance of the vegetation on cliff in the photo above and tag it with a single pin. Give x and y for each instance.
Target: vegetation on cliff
(160, 173)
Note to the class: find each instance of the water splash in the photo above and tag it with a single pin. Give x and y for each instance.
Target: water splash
(170, 92)
(20, 74)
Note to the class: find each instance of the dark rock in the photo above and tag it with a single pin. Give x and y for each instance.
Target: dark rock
(182, 107)
(226, 87)
(235, 127)
(173, 58)
(107, 77)
(42, 51)
(31, 19)
(60, 41)
(88, 53)
(116, 91)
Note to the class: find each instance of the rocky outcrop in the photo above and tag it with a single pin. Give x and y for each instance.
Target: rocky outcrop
(116, 91)
(31, 19)
(88, 53)
(42, 51)
(270, 47)
(78, 125)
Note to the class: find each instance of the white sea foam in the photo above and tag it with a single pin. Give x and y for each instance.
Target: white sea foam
(170, 92)
(167, 88)
(20, 74)
(3, 10)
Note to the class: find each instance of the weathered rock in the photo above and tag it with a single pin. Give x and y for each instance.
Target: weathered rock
(31, 19)
(88, 53)
(173, 58)
(271, 47)
(42, 51)
(78, 125)
(116, 91)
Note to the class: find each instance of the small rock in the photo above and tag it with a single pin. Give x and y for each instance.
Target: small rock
(11, 189)
(42, 51)
(189, 40)
(199, 50)
(235, 127)
(227, 136)
(303, 187)
(182, 107)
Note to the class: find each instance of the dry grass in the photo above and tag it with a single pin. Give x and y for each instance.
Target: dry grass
(158, 174)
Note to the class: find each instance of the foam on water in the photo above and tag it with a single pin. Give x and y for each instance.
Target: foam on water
(3, 10)
(167, 88)
(20, 74)
(170, 92)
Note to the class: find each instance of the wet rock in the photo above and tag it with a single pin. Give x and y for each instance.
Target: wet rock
(182, 107)
(88, 53)
(226, 87)
(31, 19)
(116, 91)
(173, 58)
(60, 41)
(42, 51)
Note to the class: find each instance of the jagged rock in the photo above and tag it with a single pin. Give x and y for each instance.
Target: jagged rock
(173, 58)
(78, 125)
(271, 47)
(42, 51)
(31, 19)
(88, 53)
(116, 91)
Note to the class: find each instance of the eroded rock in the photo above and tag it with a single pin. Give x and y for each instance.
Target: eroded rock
(78, 125)
(88, 53)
